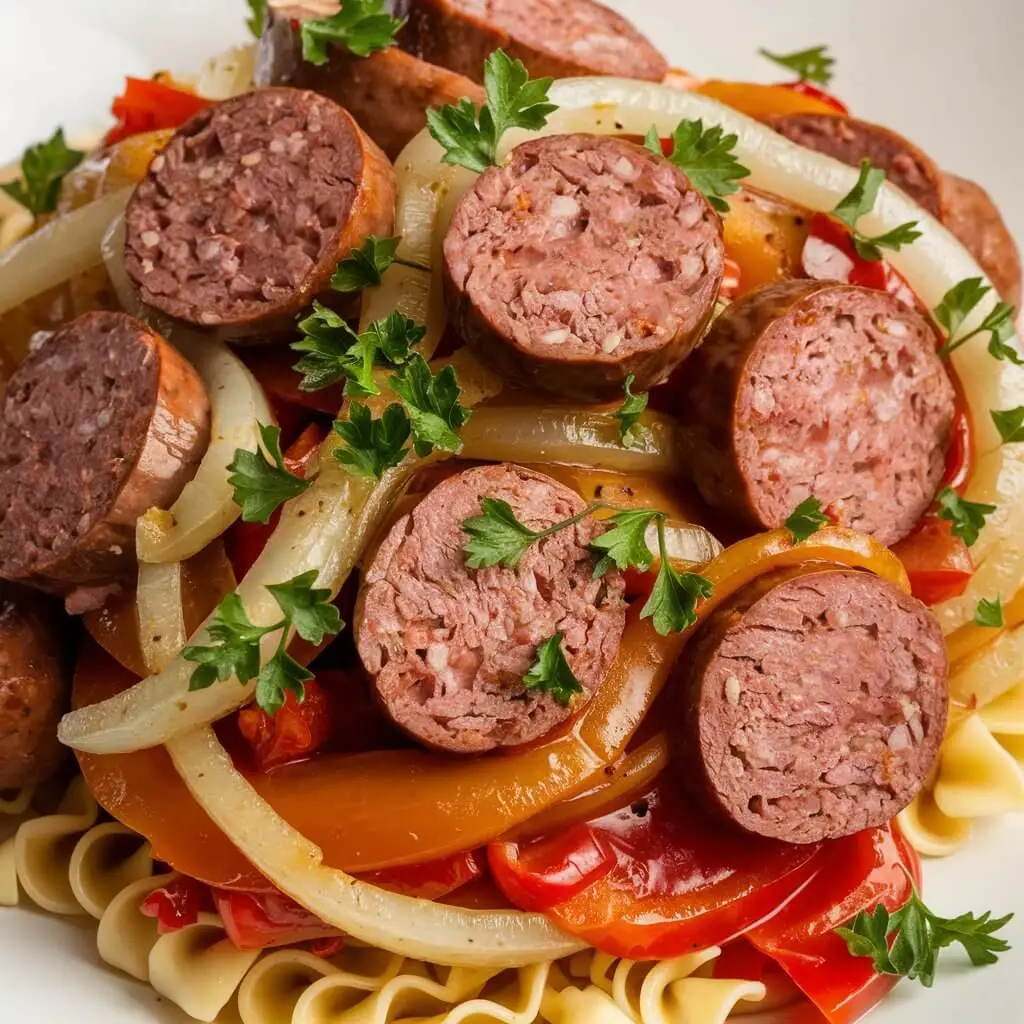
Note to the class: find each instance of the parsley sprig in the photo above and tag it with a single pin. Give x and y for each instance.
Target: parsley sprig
(551, 672)
(236, 642)
(811, 65)
(990, 613)
(258, 17)
(469, 136)
(332, 351)
(43, 168)
(262, 484)
(361, 26)
(365, 267)
(920, 935)
(706, 157)
(859, 202)
(958, 304)
(372, 445)
(1009, 423)
(497, 537)
(967, 517)
(806, 520)
(629, 413)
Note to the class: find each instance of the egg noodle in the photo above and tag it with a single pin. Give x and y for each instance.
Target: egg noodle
(69, 861)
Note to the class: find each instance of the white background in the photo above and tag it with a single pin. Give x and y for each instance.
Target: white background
(948, 73)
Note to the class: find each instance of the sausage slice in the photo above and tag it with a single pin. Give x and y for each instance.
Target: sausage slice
(814, 704)
(583, 259)
(102, 422)
(448, 646)
(241, 221)
(560, 38)
(970, 213)
(388, 93)
(813, 388)
(851, 141)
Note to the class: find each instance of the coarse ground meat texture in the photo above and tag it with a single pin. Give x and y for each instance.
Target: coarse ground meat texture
(448, 646)
(33, 687)
(388, 93)
(852, 141)
(809, 388)
(970, 213)
(815, 704)
(557, 38)
(242, 219)
(581, 260)
(102, 422)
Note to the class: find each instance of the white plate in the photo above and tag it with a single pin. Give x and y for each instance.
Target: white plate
(953, 83)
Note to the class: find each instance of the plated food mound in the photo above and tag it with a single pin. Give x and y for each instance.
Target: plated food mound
(543, 552)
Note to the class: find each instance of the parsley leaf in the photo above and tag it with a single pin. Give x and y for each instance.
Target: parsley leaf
(258, 20)
(968, 517)
(432, 403)
(470, 137)
(812, 65)
(673, 601)
(43, 168)
(860, 201)
(235, 647)
(551, 672)
(372, 446)
(1009, 423)
(262, 485)
(706, 157)
(920, 934)
(807, 519)
(958, 304)
(332, 351)
(365, 267)
(624, 546)
(990, 613)
(630, 412)
(362, 27)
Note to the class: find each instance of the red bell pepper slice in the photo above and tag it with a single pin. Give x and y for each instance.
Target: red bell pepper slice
(147, 105)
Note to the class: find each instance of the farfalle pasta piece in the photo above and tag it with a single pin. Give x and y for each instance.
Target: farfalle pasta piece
(977, 777)
(591, 1004)
(198, 968)
(931, 832)
(126, 937)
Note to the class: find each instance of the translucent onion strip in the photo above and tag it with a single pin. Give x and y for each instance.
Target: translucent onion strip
(325, 529)
(427, 931)
(571, 437)
(206, 507)
(158, 599)
(67, 246)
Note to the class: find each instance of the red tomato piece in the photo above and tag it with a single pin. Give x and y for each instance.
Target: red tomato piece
(274, 367)
(859, 872)
(296, 732)
(177, 904)
(939, 565)
(264, 920)
(810, 89)
(147, 106)
(679, 881)
(434, 880)
(829, 255)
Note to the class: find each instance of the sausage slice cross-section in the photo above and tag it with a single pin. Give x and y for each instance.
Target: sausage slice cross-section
(560, 38)
(809, 388)
(448, 646)
(815, 704)
(241, 221)
(581, 260)
(33, 687)
(102, 422)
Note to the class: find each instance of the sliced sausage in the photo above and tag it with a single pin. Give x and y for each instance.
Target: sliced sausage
(448, 646)
(102, 422)
(241, 221)
(814, 704)
(560, 38)
(814, 388)
(971, 215)
(388, 93)
(852, 141)
(581, 260)
(33, 687)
